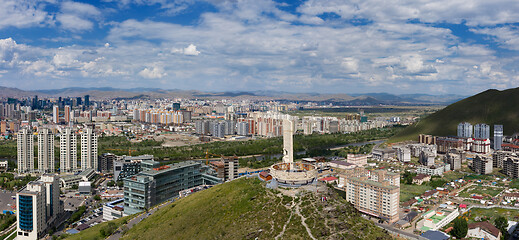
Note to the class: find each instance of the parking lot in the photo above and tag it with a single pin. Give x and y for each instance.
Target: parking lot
(93, 219)
(71, 203)
(6, 200)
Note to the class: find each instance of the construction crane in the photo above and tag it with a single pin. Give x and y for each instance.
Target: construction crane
(207, 154)
(129, 150)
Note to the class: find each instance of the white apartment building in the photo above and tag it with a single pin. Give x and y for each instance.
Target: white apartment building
(403, 154)
(88, 149)
(376, 194)
(38, 207)
(45, 151)
(68, 151)
(25, 147)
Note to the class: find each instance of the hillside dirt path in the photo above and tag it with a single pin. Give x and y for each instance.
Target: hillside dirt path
(303, 219)
(288, 221)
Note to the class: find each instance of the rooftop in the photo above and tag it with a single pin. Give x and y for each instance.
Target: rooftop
(373, 183)
(488, 227)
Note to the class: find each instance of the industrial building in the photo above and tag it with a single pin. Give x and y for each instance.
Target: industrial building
(151, 187)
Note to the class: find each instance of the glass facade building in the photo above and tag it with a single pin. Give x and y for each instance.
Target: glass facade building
(151, 187)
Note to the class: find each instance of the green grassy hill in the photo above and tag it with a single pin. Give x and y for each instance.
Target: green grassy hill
(490, 107)
(245, 209)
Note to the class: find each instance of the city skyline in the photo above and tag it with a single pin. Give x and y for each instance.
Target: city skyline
(446, 47)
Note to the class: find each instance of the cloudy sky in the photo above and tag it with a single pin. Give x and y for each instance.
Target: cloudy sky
(327, 46)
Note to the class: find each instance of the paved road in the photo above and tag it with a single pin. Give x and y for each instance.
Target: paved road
(400, 233)
(10, 235)
(137, 219)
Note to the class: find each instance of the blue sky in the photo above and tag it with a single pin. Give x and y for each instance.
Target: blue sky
(328, 46)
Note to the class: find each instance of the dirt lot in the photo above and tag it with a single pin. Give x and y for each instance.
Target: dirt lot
(175, 139)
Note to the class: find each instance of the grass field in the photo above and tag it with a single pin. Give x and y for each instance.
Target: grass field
(409, 191)
(481, 191)
(452, 175)
(244, 209)
(492, 213)
(94, 232)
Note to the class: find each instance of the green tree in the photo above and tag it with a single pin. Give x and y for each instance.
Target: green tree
(460, 228)
(408, 177)
(97, 198)
(501, 223)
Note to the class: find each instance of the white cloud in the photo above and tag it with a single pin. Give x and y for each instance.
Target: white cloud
(153, 72)
(22, 13)
(254, 45)
(191, 50)
(74, 23)
(507, 37)
(81, 9)
(474, 12)
(350, 64)
(75, 16)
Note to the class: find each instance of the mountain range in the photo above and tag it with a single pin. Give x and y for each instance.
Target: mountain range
(152, 93)
(490, 107)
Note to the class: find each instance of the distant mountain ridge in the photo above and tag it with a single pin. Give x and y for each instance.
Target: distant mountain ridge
(151, 93)
(490, 107)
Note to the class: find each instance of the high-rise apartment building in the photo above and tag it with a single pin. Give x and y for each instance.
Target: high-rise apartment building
(87, 100)
(68, 150)
(45, 151)
(243, 128)
(52, 202)
(66, 113)
(55, 114)
(498, 136)
(25, 147)
(38, 207)
(376, 194)
(88, 149)
(465, 130)
(482, 131)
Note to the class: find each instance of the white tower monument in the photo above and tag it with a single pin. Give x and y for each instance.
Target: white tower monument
(288, 141)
